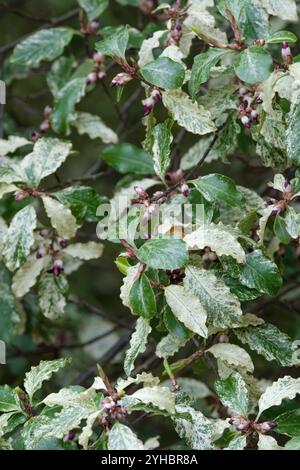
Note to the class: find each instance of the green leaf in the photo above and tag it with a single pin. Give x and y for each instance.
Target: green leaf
(64, 106)
(163, 253)
(161, 149)
(9, 400)
(142, 298)
(47, 156)
(253, 65)
(52, 292)
(201, 68)
(293, 132)
(219, 238)
(222, 307)
(233, 355)
(193, 117)
(61, 217)
(13, 143)
(116, 44)
(44, 45)
(121, 437)
(233, 393)
(280, 230)
(127, 158)
(260, 273)
(94, 127)
(60, 73)
(138, 344)
(187, 308)
(250, 16)
(83, 202)
(270, 342)
(289, 423)
(286, 387)
(164, 73)
(93, 8)
(38, 374)
(219, 188)
(19, 238)
(282, 36)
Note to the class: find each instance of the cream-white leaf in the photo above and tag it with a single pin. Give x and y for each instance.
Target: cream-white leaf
(232, 354)
(61, 217)
(94, 127)
(121, 437)
(85, 251)
(286, 387)
(27, 275)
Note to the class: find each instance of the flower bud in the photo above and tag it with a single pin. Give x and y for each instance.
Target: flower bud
(101, 74)
(259, 98)
(246, 121)
(287, 186)
(62, 242)
(148, 105)
(140, 191)
(155, 94)
(91, 78)
(185, 189)
(45, 125)
(92, 27)
(98, 57)
(121, 79)
(20, 195)
(43, 233)
(35, 136)
(40, 252)
(267, 426)
(58, 267)
(286, 54)
(47, 111)
(254, 115)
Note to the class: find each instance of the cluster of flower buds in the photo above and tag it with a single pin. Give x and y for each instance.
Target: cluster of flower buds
(280, 205)
(52, 246)
(97, 73)
(259, 42)
(46, 124)
(149, 102)
(113, 411)
(176, 276)
(89, 28)
(144, 199)
(247, 105)
(121, 79)
(241, 424)
(173, 178)
(286, 54)
(176, 33)
(264, 427)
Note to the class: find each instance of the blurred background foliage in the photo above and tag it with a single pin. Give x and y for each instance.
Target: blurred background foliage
(97, 283)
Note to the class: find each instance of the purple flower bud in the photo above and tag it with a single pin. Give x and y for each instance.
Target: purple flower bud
(287, 186)
(260, 98)
(20, 195)
(155, 95)
(178, 27)
(148, 105)
(43, 233)
(185, 189)
(267, 426)
(121, 79)
(40, 252)
(58, 267)
(62, 242)
(140, 191)
(45, 126)
(98, 57)
(275, 211)
(246, 121)
(101, 74)
(91, 78)
(254, 114)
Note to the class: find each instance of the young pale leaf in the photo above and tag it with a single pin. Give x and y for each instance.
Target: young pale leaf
(187, 308)
(13, 143)
(161, 149)
(286, 387)
(233, 355)
(38, 374)
(202, 67)
(233, 393)
(92, 125)
(27, 275)
(52, 292)
(138, 344)
(163, 253)
(128, 158)
(61, 217)
(193, 117)
(253, 65)
(142, 298)
(121, 437)
(19, 238)
(45, 44)
(260, 273)
(47, 156)
(219, 188)
(164, 73)
(270, 342)
(222, 307)
(289, 423)
(93, 8)
(219, 238)
(282, 36)
(83, 202)
(116, 44)
(293, 132)
(64, 107)
(9, 400)
(85, 251)
(160, 397)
